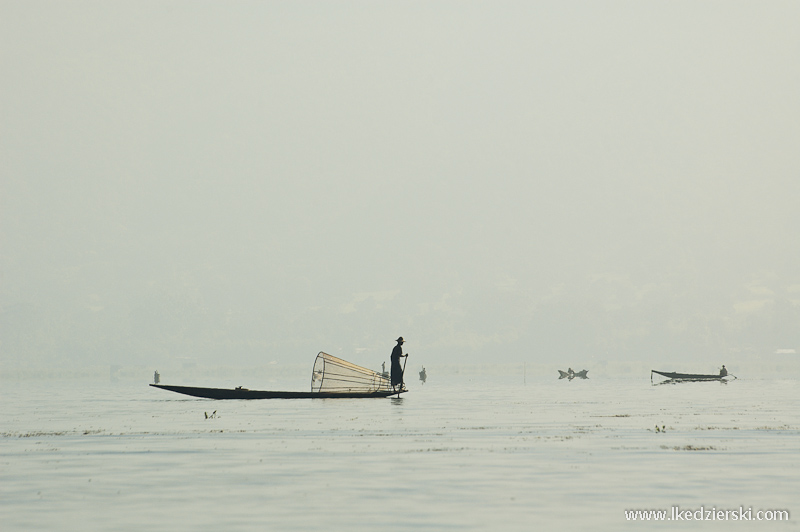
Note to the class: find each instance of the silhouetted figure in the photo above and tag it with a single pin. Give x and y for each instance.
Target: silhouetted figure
(156, 377)
(723, 372)
(397, 369)
(423, 375)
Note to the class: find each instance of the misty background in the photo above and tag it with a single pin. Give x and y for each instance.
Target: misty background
(246, 183)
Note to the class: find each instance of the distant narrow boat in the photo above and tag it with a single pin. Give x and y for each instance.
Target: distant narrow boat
(689, 376)
(332, 378)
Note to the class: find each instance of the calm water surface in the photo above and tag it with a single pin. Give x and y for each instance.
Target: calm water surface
(461, 453)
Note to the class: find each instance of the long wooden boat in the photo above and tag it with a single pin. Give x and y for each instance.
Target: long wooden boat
(332, 378)
(244, 393)
(688, 376)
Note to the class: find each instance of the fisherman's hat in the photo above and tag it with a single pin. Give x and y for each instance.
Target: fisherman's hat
(401, 340)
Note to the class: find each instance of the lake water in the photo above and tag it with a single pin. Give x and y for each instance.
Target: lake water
(457, 453)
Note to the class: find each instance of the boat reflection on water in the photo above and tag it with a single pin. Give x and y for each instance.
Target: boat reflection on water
(678, 381)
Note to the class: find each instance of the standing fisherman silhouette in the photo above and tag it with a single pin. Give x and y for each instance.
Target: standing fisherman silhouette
(397, 370)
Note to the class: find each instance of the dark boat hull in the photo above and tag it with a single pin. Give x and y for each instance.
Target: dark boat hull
(689, 376)
(241, 393)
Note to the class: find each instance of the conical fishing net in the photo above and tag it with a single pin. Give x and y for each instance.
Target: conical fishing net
(335, 375)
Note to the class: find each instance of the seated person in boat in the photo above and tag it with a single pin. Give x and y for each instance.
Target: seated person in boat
(723, 372)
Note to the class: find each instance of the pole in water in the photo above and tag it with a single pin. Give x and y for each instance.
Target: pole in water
(402, 376)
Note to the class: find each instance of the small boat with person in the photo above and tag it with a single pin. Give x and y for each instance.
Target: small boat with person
(572, 374)
(332, 378)
(723, 375)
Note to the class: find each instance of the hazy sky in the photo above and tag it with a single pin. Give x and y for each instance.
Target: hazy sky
(245, 182)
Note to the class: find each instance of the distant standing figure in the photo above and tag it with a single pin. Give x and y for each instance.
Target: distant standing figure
(423, 375)
(723, 372)
(397, 369)
(156, 377)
